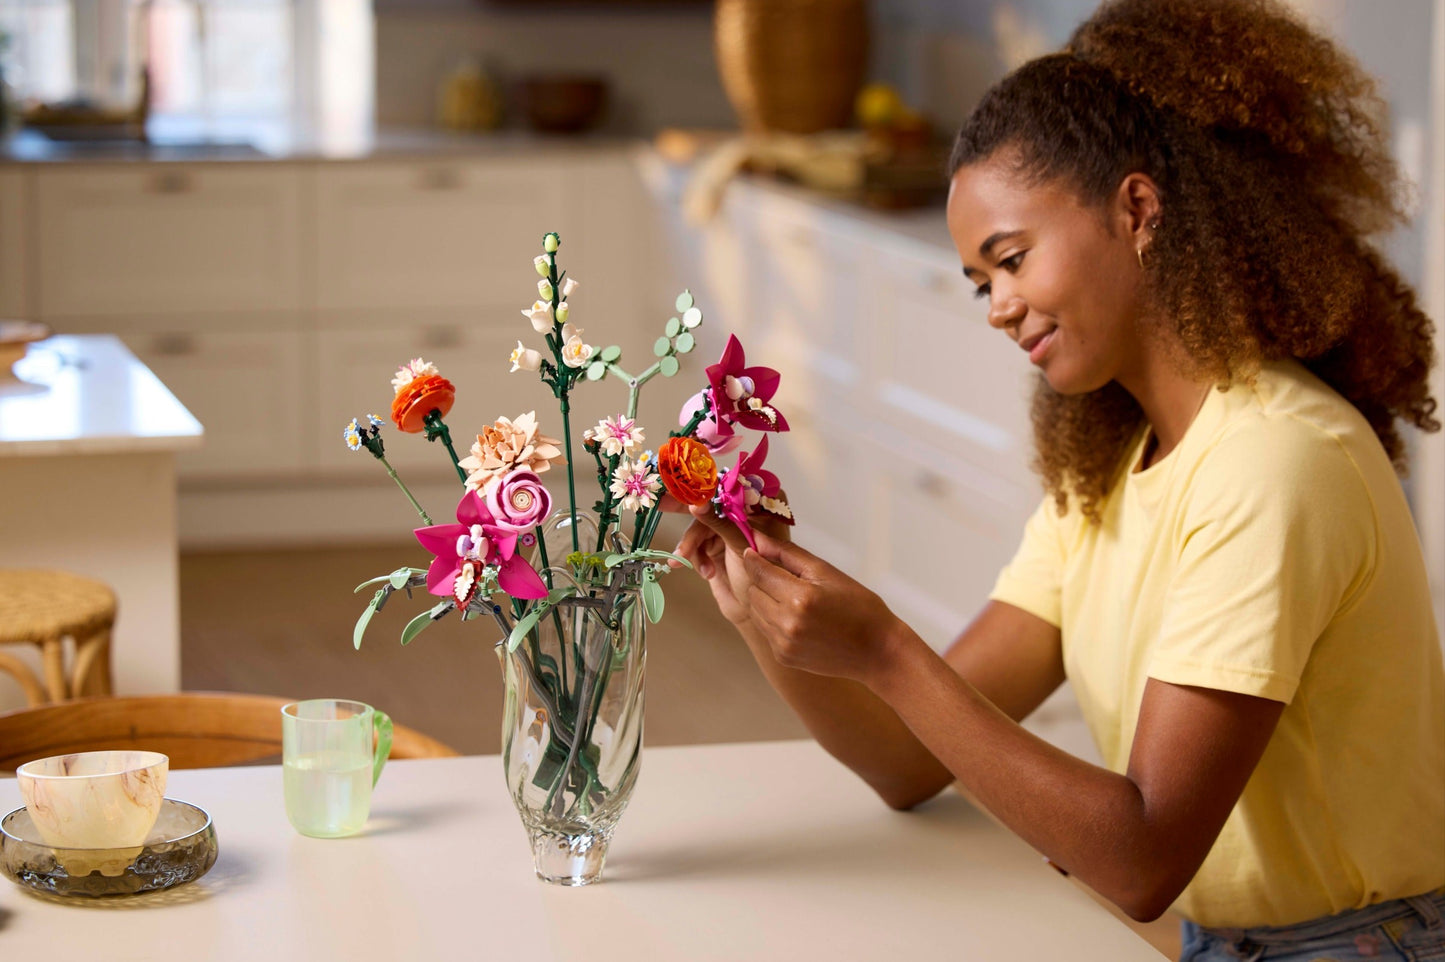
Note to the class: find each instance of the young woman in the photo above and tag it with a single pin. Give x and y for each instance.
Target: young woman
(1172, 218)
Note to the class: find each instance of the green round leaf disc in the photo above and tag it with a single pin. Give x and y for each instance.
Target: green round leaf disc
(684, 300)
(685, 342)
(673, 327)
(612, 353)
(668, 366)
(596, 371)
(691, 318)
(662, 347)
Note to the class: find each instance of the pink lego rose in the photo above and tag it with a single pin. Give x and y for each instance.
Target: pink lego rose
(518, 500)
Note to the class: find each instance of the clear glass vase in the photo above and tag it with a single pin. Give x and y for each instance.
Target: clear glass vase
(572, 720)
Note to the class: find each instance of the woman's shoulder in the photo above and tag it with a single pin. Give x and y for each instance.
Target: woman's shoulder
(1284, 418)
(1288, 451)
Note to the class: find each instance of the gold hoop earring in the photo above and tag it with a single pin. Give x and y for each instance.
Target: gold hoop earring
(1139, 251)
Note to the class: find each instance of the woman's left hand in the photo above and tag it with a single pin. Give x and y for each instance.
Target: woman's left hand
(814, 617)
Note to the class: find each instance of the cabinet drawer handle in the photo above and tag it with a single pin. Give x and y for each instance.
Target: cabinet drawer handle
(440, 178)
(931, 484)
(173, 345)
(801, 237)
(171, 182)
(934, 282)
(441, 337)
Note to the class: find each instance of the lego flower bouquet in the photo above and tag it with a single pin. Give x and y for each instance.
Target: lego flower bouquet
(572, 587)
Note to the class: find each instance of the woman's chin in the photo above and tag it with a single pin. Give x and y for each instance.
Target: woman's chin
(1069, 381)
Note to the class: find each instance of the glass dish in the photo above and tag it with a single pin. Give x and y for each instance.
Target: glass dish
(181, 848)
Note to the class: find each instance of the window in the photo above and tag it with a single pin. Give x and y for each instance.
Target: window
(217, 67)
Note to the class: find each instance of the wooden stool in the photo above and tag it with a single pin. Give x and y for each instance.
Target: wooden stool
(43, 608)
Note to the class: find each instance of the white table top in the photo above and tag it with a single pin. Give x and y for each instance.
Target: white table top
(89, 395)
(738, 852)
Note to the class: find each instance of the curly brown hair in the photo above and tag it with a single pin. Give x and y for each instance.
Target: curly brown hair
(1267, 143)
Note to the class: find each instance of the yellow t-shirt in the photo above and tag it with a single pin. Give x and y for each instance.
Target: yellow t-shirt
(1270, 553)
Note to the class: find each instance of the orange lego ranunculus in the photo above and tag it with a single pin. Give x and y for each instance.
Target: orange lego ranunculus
(687, 470)
(420, 397)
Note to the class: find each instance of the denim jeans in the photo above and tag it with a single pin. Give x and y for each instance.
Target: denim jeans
(1401, 930)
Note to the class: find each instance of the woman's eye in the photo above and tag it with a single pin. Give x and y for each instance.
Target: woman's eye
(1012, 263)
(981, 291)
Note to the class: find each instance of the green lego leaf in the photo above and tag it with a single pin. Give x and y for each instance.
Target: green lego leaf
(401, 576)
(422, 622)
(365, 619)
(652, 600)
(526, 623)
(397, 578)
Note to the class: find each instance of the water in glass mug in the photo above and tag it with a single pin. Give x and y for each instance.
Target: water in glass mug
(328, 794)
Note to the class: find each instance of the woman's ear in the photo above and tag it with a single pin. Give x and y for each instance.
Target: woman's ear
(1139, 205)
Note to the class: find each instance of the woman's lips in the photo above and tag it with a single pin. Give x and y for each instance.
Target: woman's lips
(1038, 346)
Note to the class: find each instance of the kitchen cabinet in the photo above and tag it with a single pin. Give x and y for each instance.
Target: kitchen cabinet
(611, 245)
(808, 304)
(14, 250)
(834, 502)
(277, 299)
(939, 370)
(168, 239)
(943, 530)
(249, 389)
(425, 234)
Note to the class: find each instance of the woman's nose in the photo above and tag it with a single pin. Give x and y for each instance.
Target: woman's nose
(1006, 312)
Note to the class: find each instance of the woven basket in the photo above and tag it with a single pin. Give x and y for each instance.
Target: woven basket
(792, 65)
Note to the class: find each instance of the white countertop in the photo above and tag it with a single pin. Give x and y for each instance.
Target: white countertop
(89, 395)
(27, 147)
(767, 851)
(923, 231)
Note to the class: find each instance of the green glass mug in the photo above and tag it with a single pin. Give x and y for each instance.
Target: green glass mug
(332, 753)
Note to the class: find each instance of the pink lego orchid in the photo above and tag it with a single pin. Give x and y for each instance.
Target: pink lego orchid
(748, 486)
(462, 551)
(743, 395)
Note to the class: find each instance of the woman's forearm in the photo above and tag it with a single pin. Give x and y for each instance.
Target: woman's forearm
(1136, 838)
(856, 727)
(1090, 821)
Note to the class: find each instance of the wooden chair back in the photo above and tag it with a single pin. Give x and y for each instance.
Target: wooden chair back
(196, 729)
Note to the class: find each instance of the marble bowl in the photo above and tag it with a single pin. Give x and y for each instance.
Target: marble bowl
(94, 800)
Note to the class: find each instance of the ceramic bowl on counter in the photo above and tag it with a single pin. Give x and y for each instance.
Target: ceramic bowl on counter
(562, 104)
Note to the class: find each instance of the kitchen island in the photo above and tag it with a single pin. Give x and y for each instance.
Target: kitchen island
(88, 438)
